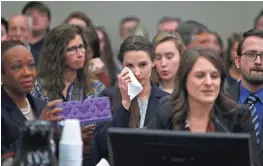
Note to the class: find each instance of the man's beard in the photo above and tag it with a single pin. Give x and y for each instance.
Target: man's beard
(254, 79)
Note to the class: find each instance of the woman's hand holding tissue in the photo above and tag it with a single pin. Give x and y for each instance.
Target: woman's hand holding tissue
(124, 79)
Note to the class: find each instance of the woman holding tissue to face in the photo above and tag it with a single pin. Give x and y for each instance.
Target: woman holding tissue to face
(135, 101)
(199, 102)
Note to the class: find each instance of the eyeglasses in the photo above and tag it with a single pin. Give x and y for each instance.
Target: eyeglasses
(73, 50)
(253, 55)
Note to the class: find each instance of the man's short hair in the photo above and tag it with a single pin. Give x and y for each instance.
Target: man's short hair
(79, 15)
(187, 29)
(128, 18)
(253, 32)
(37, 5)
(168, 19)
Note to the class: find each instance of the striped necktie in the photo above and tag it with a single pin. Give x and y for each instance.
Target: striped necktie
(250, 102)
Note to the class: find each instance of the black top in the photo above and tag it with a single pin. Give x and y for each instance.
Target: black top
(12, 118)
(121, 118)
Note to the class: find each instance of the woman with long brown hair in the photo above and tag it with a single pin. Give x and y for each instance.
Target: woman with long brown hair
(64, 71)
(199, 102)
(97, 66)
(136, 53)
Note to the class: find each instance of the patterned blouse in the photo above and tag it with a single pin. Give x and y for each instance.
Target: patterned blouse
(74, 93)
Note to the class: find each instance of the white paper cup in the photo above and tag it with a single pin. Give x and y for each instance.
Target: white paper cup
(71, 144)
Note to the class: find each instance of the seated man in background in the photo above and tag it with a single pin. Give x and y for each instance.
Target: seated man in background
(168, 24)
(19, 28)
(41, 16)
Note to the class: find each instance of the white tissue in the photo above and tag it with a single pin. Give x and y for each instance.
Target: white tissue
(103, 162)
(134, 87)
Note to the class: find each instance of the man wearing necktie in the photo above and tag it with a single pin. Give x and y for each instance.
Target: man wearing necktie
(249, 90)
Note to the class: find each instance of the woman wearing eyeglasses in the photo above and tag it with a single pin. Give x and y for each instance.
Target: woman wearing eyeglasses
(63, 71)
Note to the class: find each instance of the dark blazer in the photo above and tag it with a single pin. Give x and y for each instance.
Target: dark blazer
(121, 118)
(239, 121)
(234, 92)
(12, 118)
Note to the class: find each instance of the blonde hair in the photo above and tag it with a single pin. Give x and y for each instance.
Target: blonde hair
(166, 36)
(162, 37)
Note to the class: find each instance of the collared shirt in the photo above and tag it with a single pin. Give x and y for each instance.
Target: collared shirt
(74, 93)
(244, 93)
(143, 105)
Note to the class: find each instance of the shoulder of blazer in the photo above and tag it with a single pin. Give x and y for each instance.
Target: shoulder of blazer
(159, 93)
(239, 115)
(242, 112)
(165, 114)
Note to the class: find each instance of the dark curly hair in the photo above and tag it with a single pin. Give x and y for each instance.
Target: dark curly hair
(52, 62)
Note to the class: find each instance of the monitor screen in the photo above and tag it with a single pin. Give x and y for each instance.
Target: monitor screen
(143, 147)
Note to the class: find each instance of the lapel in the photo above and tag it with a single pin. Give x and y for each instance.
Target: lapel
(36, 105)
(14, 111)
(220, 123)
(10, 106)
(153, 104)
(234, 91)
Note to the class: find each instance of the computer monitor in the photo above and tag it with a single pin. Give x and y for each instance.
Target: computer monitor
(144, 147)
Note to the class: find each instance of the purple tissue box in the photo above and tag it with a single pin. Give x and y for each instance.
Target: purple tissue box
(88, 112)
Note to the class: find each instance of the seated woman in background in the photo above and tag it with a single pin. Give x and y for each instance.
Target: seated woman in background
(168, 48)
(18, 106)
(64, 71)
(97, 66)
(108, 57)
(234, 74)
(136, 53)
(208, 39)
(199, 102)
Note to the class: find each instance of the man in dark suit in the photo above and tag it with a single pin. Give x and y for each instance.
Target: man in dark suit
(249, 90)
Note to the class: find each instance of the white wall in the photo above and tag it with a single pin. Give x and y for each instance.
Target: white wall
(224, 17)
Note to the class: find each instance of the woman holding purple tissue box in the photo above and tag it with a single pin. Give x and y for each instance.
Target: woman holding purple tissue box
(137, 54)
(18, 105)
(64, 72)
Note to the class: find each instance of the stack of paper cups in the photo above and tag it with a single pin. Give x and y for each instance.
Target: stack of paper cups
(71, 144)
